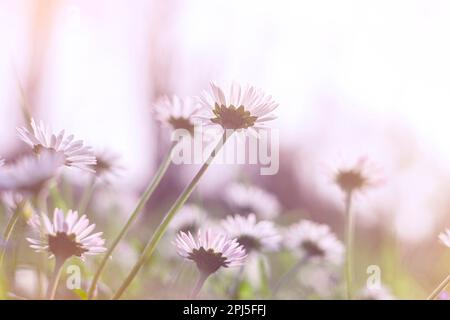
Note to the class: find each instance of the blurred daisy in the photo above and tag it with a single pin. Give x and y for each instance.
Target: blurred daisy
(376, 293)
(189, 219)
(66, 236)
(75, 153)
(246, 199)
(210, 251)
(177, 113)
(107, 167)
(30, 174)
(314, 241)
(445, 237)
(254, 236)
(2, 162)
(357, 177)
(242, 108)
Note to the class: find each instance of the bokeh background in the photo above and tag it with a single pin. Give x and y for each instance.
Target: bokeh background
(351, 78)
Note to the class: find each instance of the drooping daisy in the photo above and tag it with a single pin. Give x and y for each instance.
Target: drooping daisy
(253, 235)
(210, 251)
(376, 293)
(189, 219)
(246, 199)
(314, 241)
(75, 153)
(66, 236)
(358, 176)
(242, 108)
(445, 237)
(107, 166)
(30, 174)
(177, 113)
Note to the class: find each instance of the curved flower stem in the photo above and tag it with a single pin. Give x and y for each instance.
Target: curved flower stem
(439, 288)
(349, 245)
(87, 195)
(55, 278)
(199, 285)
(233, 292)
(142, 201)
(157, 235)
(287, 276)
(8, 231)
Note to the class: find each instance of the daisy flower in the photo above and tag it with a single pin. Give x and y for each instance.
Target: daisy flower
(246, 199)
(189, 219)
(241, 108)
(75, 153)
(30, 174)
(107, 166)
(177, 113)
(210, 251)
(253, 235)
(377, 293)
(66, 236)
(2, 162)
(357, 177)
(445, 237)
(314, 241)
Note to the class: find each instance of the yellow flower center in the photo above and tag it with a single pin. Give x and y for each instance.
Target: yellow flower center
(233, 118)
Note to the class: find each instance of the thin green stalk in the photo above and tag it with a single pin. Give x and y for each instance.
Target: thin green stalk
(53, 285)
(87, 195)
(287, 276)
(8, 231)
(199, 285)
(142, 201)
(233, 292)
(439, 288)
(154, 240)
(349, 246)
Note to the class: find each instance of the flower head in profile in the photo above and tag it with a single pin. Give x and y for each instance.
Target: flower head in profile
(240, 108)
(210, 251)
(444, 237)
(376, 293)
(177, 113)
(189, 219)
(315, 242)
(30, 174)
(246, 199)
(253, 235)
(107, 166)
(74, 152)
(66, 236)
(357, 177)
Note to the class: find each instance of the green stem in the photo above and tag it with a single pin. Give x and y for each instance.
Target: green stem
(8, 231)
(199, 285)
(349, 245)
(154, 240)
(234, 289)
(53, 285)
(287, 276)
(142, 201)
(439, 288)
(87, 195)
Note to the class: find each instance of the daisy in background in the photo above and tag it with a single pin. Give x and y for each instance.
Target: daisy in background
(30, 174)
(312, 243)
(245, 199)
(241, 108)
(74, 152)
(189, 219)
(2, 162)
(107, 167)
(352, 179)
(444, 237)
(64, 237)
(210, 251)
(176, 113)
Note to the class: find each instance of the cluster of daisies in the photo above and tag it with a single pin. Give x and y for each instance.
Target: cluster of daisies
(250, 230)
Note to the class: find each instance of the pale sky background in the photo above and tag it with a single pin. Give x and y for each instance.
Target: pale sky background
(365, 75)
